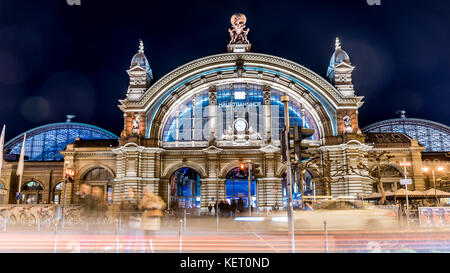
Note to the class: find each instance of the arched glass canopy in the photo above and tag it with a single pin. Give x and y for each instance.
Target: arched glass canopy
(434, 136)
(45, 142)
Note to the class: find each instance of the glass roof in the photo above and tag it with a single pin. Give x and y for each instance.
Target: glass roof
(45, 142)
(434, 136)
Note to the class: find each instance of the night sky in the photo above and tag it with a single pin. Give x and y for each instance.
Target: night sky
(57, 59)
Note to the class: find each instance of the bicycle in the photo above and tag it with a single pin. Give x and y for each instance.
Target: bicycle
(46, 216)
(12, 218)
(27, 218)
(72, 216)
(4, 215)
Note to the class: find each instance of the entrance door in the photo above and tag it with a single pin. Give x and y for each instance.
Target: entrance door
(185, 189)
(237, 188)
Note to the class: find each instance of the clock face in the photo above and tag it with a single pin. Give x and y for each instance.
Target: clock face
(240, 125)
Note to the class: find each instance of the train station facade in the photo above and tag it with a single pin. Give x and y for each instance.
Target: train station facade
(187, 133)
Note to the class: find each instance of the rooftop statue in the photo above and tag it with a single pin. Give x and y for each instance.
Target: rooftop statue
(238, 33)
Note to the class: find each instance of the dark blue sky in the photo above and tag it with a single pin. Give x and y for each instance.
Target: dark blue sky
(57, 59)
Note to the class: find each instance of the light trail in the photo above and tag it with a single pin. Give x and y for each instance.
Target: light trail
(269, 242)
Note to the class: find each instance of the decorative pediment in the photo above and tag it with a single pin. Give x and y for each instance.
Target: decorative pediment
(270, 149)
(212, 150)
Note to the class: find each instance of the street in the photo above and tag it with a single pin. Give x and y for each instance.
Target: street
(248, 239)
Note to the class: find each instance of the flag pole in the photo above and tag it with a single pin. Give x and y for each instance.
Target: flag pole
(2, 142)
(20, 167)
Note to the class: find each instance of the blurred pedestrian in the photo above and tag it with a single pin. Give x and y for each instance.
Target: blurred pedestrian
(99, 206)
(233, 207)
(152, 206)
(221, 208)
(241, 205)
(84, 196)
(209, 209)
(131, 218)
(227, 209)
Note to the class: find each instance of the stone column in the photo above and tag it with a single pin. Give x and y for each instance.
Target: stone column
(212, 186)
(209, 189)
(270, 187)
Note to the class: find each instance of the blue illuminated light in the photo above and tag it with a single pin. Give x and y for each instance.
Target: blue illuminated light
(327, 106)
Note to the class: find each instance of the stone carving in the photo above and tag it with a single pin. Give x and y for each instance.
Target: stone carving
(212, 139)
(238, 33)
(347, 125)
(136, 120)
(266, 95)
(228, 134)
(213, 95)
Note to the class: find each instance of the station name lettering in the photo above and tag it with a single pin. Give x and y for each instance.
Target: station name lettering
(235, 104)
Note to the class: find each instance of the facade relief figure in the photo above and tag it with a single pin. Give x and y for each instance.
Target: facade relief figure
(228, 134)
(253, 134)
(135, 130)
(348, 129)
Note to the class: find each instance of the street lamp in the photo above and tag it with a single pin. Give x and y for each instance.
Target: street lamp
(432, 166)
(69, 174)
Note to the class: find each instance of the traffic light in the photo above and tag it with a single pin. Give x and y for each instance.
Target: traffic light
(299, 146)
(70, 173)
(296, 147)
(289, 145)
(242, 169)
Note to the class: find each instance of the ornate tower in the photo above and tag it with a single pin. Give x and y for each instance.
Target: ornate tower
(140, 74)
(340, 71)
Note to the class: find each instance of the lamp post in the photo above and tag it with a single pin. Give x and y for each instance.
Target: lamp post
(432, 166)
(69, 174)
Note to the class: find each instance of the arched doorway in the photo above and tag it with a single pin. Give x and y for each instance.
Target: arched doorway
(185, 189)
(101, 179)
(57, 193)
(236, 187)
(308, 188)
(32, 193)
(390, 177)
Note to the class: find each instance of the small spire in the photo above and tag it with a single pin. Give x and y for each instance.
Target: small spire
(141, 46)
(402, 113)
(337, 44)
(69, 118)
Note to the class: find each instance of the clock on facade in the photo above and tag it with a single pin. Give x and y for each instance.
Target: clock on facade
(240, 125)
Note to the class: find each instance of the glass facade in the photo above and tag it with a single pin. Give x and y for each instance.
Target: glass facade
(235, 101)
(44, 143)
(434, 136)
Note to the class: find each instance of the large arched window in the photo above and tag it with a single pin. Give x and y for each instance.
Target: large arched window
(390, 177)
(32, 193)
(244, 101)
(185, 189)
